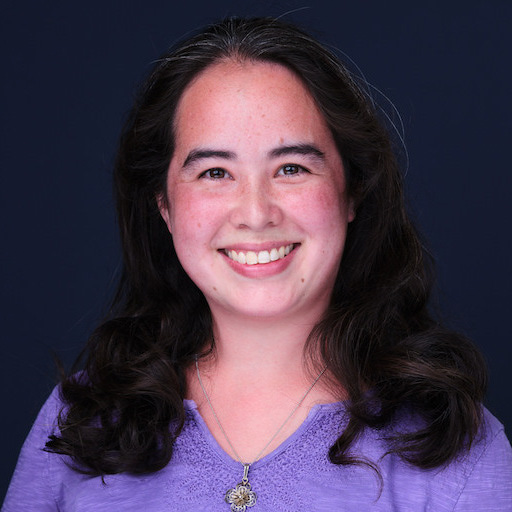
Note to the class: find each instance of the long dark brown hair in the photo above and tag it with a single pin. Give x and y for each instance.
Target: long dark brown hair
(124, 410)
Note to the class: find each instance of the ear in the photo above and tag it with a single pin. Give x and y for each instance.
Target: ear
(351, 209)
(163, 208)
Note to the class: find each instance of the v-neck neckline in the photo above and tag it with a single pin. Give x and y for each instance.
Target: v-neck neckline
(228, 460)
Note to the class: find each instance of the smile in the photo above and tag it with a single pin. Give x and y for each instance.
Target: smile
(260, 257)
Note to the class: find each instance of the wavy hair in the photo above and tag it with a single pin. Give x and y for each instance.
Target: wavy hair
(124, 411)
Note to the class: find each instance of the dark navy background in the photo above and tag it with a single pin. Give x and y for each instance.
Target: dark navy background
(68, 72)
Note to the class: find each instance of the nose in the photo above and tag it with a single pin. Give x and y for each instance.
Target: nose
(256, 207)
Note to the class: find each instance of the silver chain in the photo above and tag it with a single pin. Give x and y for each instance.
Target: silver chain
(247, 464)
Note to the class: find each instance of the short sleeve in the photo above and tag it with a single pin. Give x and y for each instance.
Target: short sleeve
(489, 486)
(30, 488)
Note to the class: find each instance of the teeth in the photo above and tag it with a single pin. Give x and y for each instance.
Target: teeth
(252, 258)
(261, 257)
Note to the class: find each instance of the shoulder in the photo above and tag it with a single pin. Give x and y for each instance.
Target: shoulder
(489, 453)
(492, 435)
(33, 469)
(46, 422)
(479, 478)
(486, 471)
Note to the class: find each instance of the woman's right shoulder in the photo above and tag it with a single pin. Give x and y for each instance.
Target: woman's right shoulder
(32, 485)
(55, 405)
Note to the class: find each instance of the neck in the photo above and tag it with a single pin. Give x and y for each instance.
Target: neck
(269, 345)
(259, 365)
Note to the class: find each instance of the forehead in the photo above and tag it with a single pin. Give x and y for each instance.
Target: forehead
(245, 99)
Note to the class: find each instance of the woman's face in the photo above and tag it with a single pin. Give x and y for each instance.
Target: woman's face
(256, 197)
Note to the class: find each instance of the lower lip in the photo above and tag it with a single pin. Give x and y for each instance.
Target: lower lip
(262, 269)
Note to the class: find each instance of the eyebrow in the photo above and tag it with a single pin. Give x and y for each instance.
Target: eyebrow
(294, 149)
(199, 154)
(298, 149)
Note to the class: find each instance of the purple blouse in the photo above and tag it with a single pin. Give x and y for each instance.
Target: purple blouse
(297, 476)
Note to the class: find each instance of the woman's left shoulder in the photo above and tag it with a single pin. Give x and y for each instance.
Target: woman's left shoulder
(482, 476)
(492, 431)
(479, 478)
(491, 450)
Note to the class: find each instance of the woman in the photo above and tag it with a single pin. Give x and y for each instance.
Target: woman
(270, 344)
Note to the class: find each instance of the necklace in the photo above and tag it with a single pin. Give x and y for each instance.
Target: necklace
(241, 496)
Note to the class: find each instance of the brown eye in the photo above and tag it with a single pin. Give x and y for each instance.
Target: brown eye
(291, 170)
(215, 173)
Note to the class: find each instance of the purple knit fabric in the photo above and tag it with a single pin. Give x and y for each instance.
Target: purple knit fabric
(297, 476)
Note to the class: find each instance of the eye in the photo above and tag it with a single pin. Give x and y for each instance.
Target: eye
(291, 170)
(216, 173)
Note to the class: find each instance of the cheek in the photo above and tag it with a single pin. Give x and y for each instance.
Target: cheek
(192, 221)
(324, 209)
(186, 210)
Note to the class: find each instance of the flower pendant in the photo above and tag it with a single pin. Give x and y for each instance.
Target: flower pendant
(241, 496)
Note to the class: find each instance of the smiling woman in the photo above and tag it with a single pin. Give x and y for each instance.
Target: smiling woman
(270, 344)
(257, 125)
